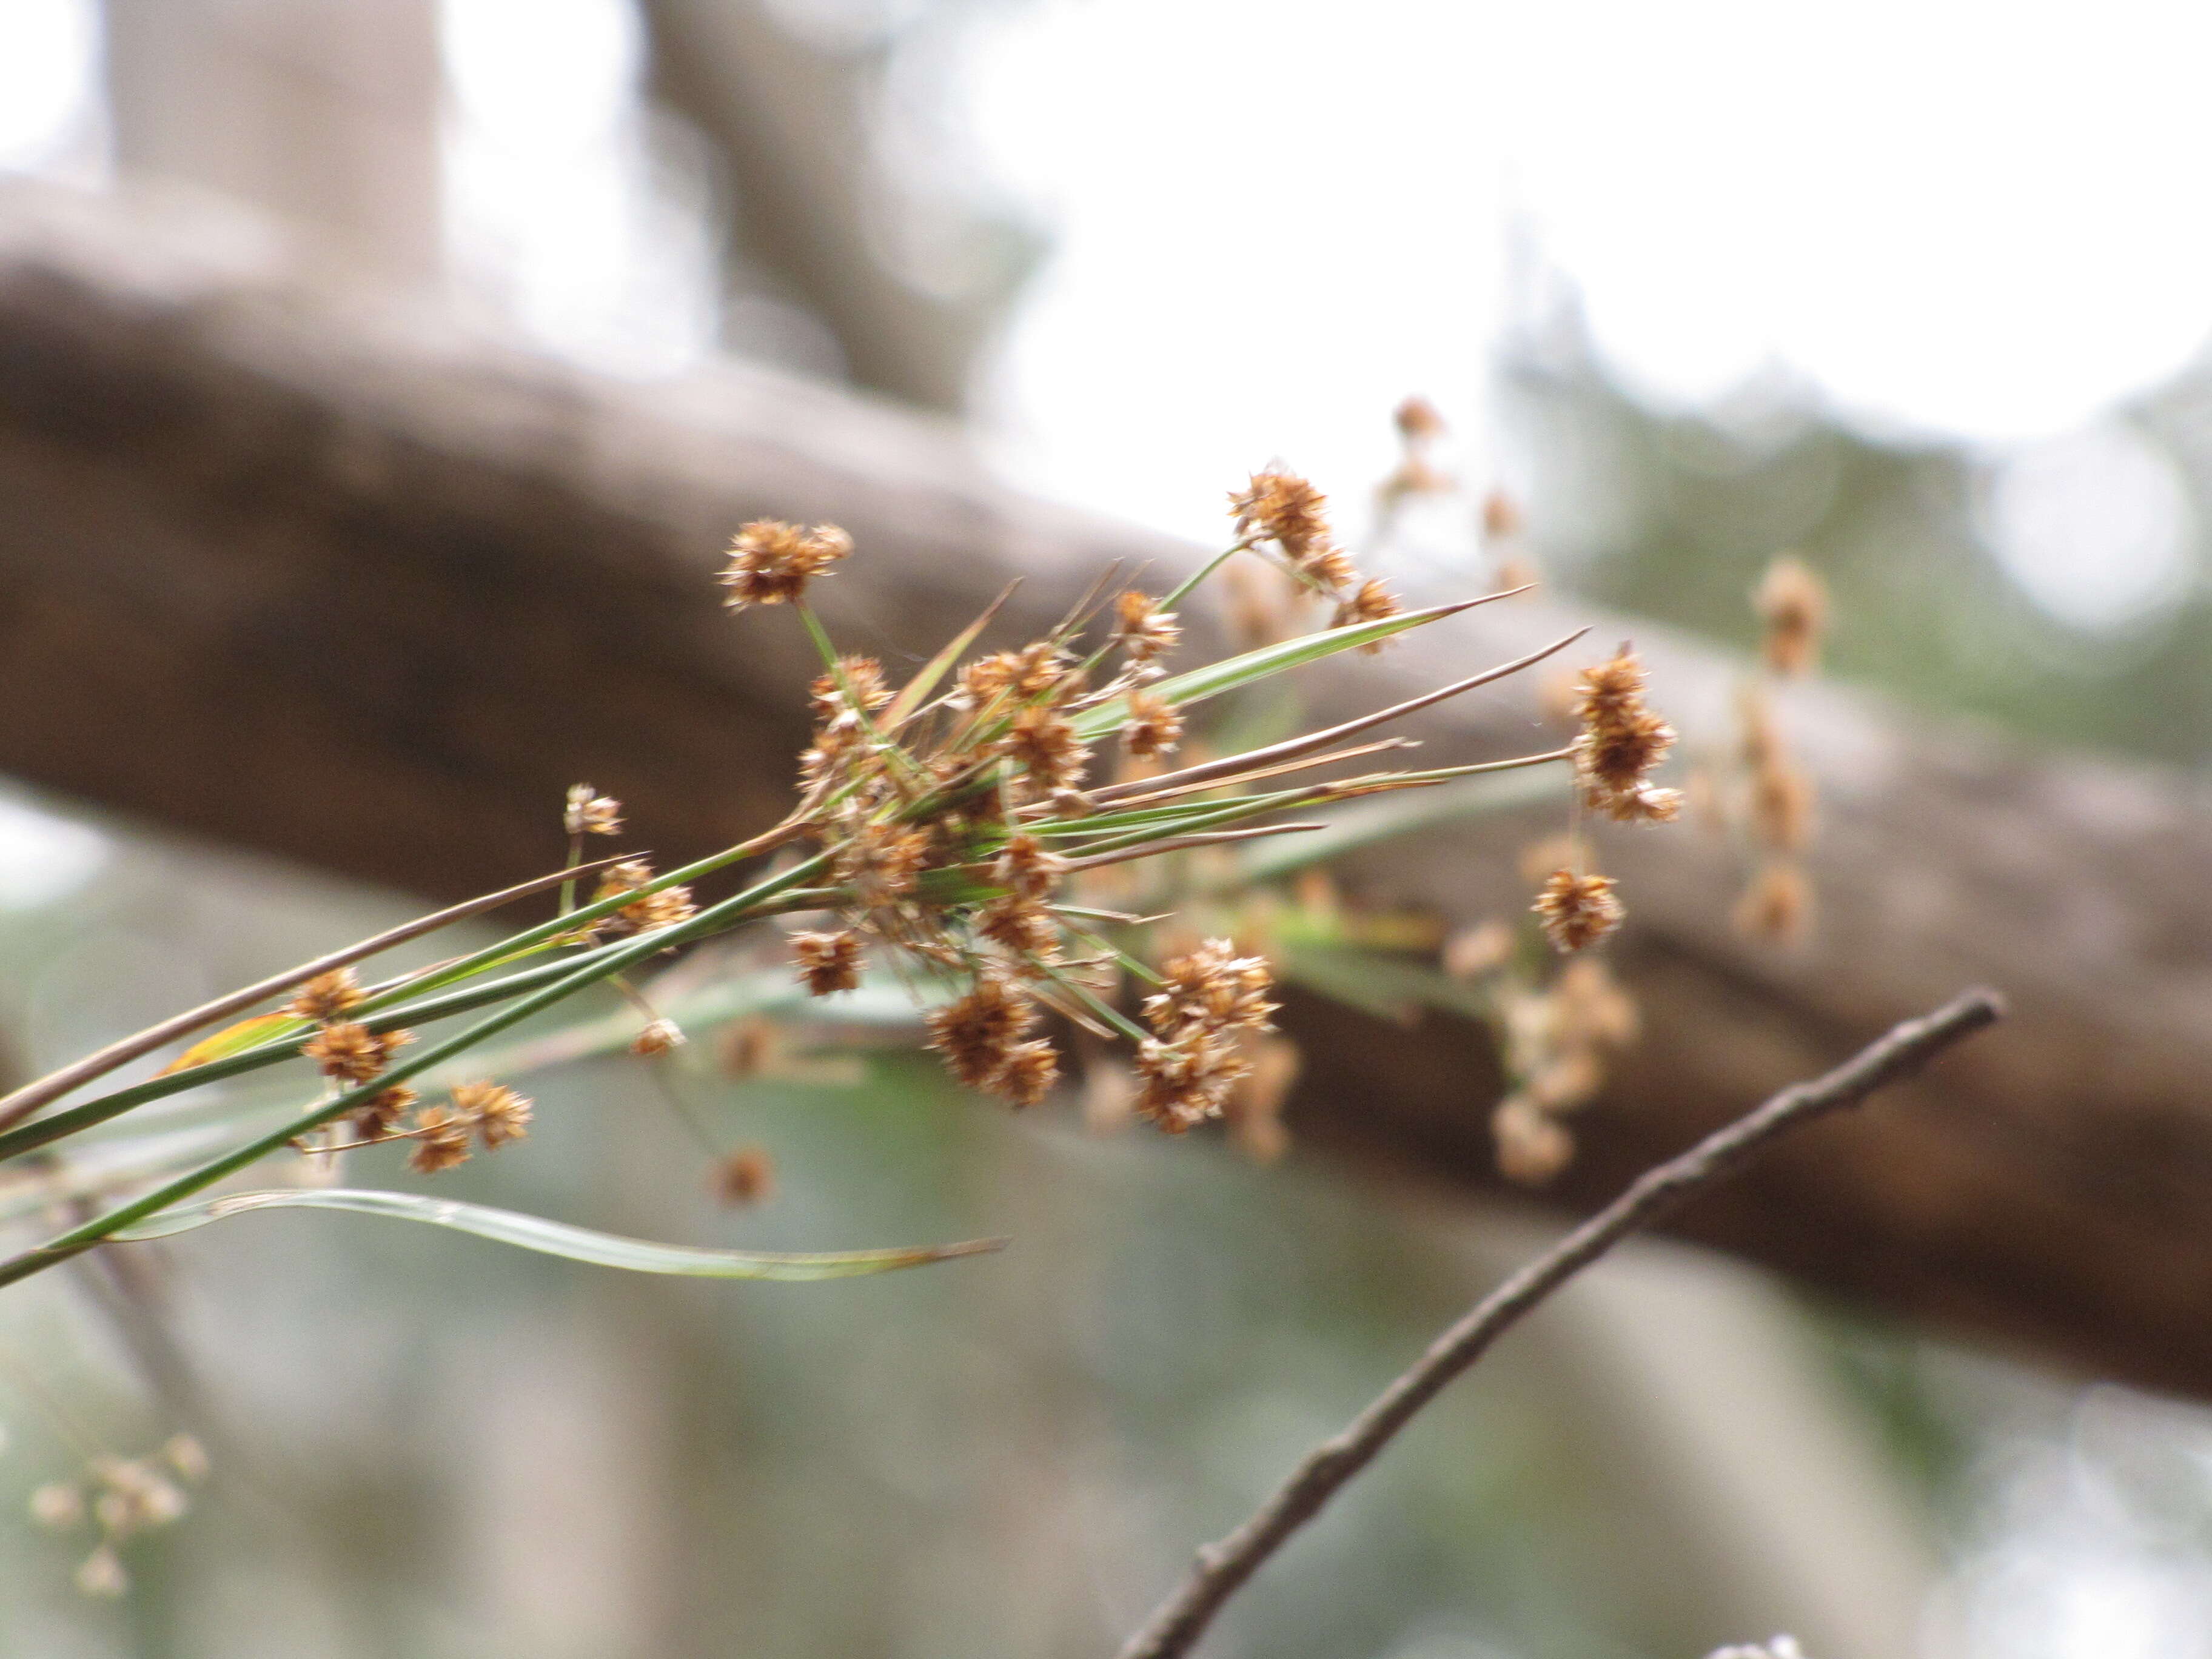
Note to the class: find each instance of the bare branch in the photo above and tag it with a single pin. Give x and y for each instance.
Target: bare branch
(1222, 1569)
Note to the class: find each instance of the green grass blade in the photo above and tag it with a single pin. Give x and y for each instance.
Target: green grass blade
(1368, 822)
(531, 1232)
(1231, 672)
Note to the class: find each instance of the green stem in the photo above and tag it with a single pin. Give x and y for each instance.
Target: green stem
(77, 1239)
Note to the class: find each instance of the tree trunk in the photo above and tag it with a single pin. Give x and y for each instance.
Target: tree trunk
(360, 589)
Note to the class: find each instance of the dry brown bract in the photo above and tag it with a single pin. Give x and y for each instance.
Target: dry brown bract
(1577, 911)
(1370, 602)
(1793, 605)
(497, 1112)
(771, 562)
(353, 1053)
(650, 912)
(586, 812)
(1142, 630)
(1187, 1067)
(1284, 508)
(1153, 728)
(441, 1140)
(327, 997)
(828, 962)
(979, 1034)
(1620, 744)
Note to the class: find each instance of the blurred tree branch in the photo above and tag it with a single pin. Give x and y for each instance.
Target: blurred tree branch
(354, 586)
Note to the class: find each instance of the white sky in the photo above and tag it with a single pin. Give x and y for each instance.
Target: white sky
(1275, 219)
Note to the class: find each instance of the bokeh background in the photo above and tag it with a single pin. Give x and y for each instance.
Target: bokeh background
(1921, 290)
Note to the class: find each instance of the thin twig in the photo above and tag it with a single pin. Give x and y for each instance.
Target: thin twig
(1209, 771)
(19, 1105)
(1180, 843)
(1221, 1569)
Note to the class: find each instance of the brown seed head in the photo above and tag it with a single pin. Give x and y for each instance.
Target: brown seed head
(1369, 602)
(879, 862)
(746, 1176)
(327, 997)
(498, 1114)
(1031, 1069)
(1142, 630)
(589, 813)
(827, 963)
(976, 1033)
(353, 1053)
(1781, 807)
(1793, 604)
(1153, 728)
(1418, 420)
(441, 1140)
(1532, 1146)
(1284, 508)
(858, 683)
(1185, 1079)
(1026, 870)
(1777, 905)
(1023, 926)
(1042, 742)
(1577, 911)
(1501, 516)
(1212, 989)
(382, 1115)
(771, 562)
(657, 1037)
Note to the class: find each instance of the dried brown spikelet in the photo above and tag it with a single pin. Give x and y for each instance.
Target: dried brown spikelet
(352, 1053)
(1186, 1079)
(1793, 604)
(327, 997)
(1211, 987)
(1284, 508)
(748, 1046)
(1566, 1079)
(441, 1140)
(657, 1037)
(771, 562)
(1781, 807)
(382, 1113)
(1577, 911)
(1369, 602)
(1023, 926)
(1154, 726)
(858, 683)
(976, 1033)
(1777, 905)
(1252, 1108)
(1418, 420)
(746, 1176)
(587, 812)
(1532, 1147)
(1027, 1075)
(1044, 742)
(1026, 870)
(880, 862)
(1142, 630)
(647, 912)
(497, 1113)
(828, 962)
(1501, 516)
(1589, 1007)
(1483, 949)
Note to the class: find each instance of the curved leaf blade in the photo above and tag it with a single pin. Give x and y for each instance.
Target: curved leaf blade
(560, 1238)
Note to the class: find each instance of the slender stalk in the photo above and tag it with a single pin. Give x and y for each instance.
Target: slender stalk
(1292, 747)
(19, 1105)
(79, 1239)
(1222, 1569)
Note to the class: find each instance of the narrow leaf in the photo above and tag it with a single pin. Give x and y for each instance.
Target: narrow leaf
(232, 1040)
(910, 696)
(532, 1232)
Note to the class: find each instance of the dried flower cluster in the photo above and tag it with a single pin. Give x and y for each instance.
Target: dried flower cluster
(1194, 1057)
(649, 913)
(1282, 511)
(1556, 1041)
(771, 562)
(1762, 790)
(121, 1497)
(1620, 743)
(587, 812)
